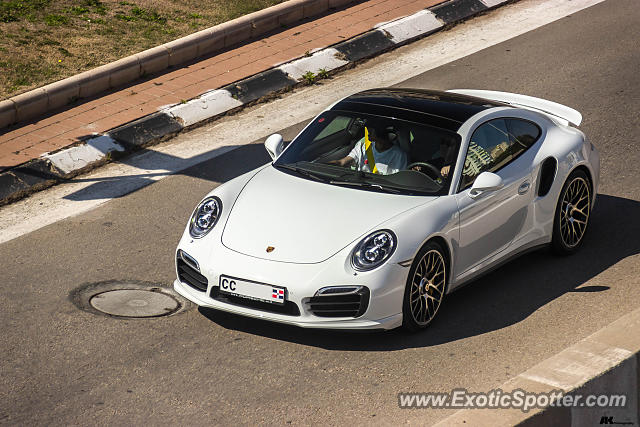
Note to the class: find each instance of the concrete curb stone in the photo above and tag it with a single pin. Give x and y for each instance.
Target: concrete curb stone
(365, 45)
(260, 85)
(27, 178)
(457, 10)
(605, 362)
(141, 132)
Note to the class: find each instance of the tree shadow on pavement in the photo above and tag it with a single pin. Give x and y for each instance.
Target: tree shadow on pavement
(500, 299)
(164, 164)
(157, 164)
(212, 166)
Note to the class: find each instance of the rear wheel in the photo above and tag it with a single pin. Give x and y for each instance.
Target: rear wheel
(425, 287)
(572, 214)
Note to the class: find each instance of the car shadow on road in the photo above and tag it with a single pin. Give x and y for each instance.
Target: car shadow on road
(502, 298)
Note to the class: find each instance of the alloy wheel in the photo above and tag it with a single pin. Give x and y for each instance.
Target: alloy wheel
(427, 287)
(574, 212)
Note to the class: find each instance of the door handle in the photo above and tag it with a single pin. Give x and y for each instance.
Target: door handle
(524, 187)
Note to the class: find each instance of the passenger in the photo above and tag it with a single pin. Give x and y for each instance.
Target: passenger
(388, 157)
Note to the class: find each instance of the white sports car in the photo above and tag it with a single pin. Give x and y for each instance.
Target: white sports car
(386, 202)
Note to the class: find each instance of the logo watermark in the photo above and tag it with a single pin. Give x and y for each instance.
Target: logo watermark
(516, 399)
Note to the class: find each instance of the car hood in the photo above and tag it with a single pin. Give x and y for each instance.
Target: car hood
(305, 221)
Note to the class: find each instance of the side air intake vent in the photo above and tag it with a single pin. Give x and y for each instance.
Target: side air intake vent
(547, 174)
(188, 272)
(346, 301)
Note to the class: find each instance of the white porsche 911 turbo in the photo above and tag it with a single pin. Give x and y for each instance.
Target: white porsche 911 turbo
(386, 202)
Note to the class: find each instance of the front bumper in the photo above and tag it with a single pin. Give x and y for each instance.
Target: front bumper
(201, 299)
(385, 284)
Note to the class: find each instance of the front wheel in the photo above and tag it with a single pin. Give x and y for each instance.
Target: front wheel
(572, 214)
(425, 287)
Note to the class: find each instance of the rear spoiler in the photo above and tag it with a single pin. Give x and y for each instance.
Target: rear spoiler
(548, 107)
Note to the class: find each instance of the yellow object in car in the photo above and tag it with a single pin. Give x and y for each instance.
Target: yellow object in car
(368, 148)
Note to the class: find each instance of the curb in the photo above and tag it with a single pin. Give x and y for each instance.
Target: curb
(50, 169)
(607, 362)
(36, 102)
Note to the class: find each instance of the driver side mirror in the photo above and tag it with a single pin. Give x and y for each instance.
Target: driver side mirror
(274, 145)
(486, 181)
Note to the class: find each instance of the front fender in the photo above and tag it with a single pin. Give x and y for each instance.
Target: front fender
(415, 227)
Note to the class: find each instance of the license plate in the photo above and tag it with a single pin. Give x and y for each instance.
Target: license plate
(252, 290)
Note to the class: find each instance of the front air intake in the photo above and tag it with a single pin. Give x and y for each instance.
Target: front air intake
(188, 273)
(349, 301)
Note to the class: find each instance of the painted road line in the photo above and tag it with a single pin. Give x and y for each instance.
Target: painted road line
(416, 25)
(326, 59)
(204, 107)
(77, 157)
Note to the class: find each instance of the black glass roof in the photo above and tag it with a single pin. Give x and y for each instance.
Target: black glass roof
(441, 109)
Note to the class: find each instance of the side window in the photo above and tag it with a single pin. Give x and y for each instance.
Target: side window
(488, 151)
(524, 134)
(338, 124)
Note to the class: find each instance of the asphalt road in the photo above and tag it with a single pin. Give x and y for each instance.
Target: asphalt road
(60, 365)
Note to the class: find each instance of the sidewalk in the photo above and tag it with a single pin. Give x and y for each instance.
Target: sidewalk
(21, 143)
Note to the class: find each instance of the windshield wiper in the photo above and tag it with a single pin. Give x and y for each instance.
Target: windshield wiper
(302, 172)
(367, 185)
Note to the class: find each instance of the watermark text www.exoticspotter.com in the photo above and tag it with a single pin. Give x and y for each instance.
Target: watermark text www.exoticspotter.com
(518, 399)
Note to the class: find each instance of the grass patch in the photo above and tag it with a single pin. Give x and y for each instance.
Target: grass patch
(14, 10)
(309, 77)
(79, 10)
(323, 73)
(55, 20)
(44, 40)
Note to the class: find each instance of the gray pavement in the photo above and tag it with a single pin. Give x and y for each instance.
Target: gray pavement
(63, 366)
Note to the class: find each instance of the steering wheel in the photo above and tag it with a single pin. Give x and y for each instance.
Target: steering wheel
(438, 176)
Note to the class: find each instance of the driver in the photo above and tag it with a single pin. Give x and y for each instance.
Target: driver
(388, 157)
(445, 160)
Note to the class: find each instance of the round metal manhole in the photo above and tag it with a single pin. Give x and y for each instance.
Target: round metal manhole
(129, 299)
(134, 303)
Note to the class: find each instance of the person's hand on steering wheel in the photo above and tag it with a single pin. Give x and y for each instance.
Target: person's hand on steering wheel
(427, 169)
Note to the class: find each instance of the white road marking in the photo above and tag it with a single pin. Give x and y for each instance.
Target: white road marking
(412, 26)
(576, 365)
(205, 106)
(492, 3)
(190, 148)
(327, 59)
(80, 156)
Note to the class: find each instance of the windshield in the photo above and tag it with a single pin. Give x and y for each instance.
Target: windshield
(373, 153)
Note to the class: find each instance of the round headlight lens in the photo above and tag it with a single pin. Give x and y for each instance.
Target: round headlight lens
(373, 250)
(205, 217)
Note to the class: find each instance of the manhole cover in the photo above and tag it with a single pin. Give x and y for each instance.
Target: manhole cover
(134, 303)
(129, 299)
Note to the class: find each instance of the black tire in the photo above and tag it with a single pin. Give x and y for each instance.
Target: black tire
(571, 217)
(416, 318)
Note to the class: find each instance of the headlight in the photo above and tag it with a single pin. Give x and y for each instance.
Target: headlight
(205, 217)
(373, 250)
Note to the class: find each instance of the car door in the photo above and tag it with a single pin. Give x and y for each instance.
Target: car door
(491, 221)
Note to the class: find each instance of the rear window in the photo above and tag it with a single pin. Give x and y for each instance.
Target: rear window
(524, 133)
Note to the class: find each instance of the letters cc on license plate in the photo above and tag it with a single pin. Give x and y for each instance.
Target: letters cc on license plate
(252, 290)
